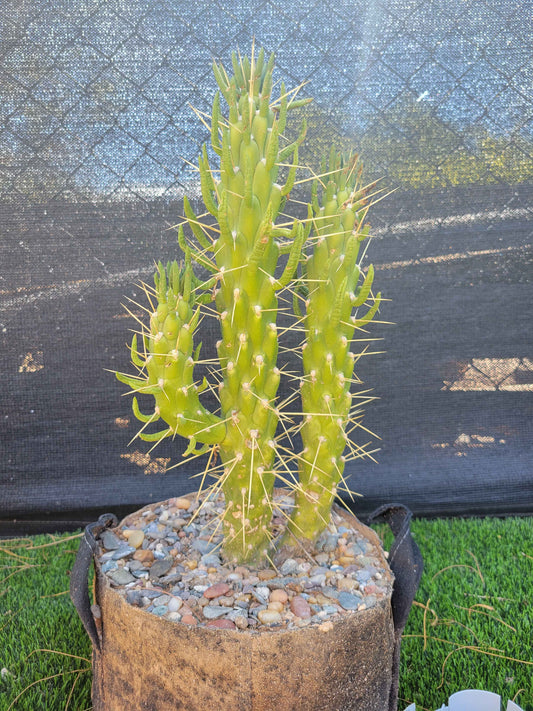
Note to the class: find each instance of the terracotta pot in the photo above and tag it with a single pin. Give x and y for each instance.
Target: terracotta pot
(143, 662)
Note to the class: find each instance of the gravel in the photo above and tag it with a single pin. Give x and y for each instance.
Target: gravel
(167, 560)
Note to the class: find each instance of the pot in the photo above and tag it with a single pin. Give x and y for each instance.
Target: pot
(142, 662)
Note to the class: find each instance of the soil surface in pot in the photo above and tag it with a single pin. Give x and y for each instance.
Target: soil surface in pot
(166, 560)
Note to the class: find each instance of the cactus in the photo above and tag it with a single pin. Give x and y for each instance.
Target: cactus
(332, 277)
(240, 258)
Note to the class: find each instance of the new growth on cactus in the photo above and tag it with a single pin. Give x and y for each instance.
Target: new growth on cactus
(249, 255)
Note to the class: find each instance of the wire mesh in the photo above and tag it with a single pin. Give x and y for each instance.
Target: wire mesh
(98, 142)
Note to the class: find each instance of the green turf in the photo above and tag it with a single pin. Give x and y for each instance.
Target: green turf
(476, 586)
(481, 607)
(36, 615)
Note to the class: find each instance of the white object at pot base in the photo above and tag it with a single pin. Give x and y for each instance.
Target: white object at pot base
(473, 700)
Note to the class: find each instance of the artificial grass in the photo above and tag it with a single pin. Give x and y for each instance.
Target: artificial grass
(471, 626)
(476, 596)
(39, 628)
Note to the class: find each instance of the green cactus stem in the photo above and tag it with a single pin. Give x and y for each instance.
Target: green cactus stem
(337, 288)
(246, 254)
(242, 254)
(167, 361)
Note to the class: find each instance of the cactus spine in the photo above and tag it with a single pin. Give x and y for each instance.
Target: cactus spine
(240, 254)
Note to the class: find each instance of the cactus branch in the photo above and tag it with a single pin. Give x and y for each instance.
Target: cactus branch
(167, 371)
(332, 274)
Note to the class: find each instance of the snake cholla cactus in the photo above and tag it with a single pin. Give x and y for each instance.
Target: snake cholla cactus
(336, 288)
(242, 253)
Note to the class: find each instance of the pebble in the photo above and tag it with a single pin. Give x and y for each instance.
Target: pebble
(151, 594)
(213, 612)
(317, 580)
(370, 600)
(345, 560)
(277, 606)
(121, 576)
(322, 599)
(168, 563)
(216, 590)
(300, 607)
(278, 595)
(281, 582)
(141, 573)
(182, 503)
(347, 584)
(134, 597)
(203, 547)
(161, 567)
(110, 541)
(349, 601)
(174, 604)
(144, 556)
(123, 552)
(261, 594)
(330, 592)
(241, 622)
(289, 566)
(322, 558)
(211, 560)
(135, 537)
(221, 624)
(170, 579)
(330, 543)
(363, 576)
(225, 600)
(162, 600)
(134, 565)
(269, 617)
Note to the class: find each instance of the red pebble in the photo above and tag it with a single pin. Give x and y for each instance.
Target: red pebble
(222, 624)
(371, 589)
(189, 620)
(300, 607)
(216, 590)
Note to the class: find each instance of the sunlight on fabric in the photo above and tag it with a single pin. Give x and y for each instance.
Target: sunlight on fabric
(489, 374)
(147, 464)
(31, 362)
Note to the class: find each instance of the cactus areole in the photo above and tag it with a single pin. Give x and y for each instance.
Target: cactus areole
(250, 256)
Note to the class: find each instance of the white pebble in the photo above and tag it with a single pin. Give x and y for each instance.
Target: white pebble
(174, 604)
(269, 617)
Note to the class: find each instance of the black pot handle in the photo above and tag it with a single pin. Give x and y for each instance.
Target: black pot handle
(405, 561)
(79, 575)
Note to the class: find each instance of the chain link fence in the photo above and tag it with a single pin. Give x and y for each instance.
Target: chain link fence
(96, 96)
(98, 143)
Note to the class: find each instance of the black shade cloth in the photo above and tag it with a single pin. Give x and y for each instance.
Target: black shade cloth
(96, 141)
